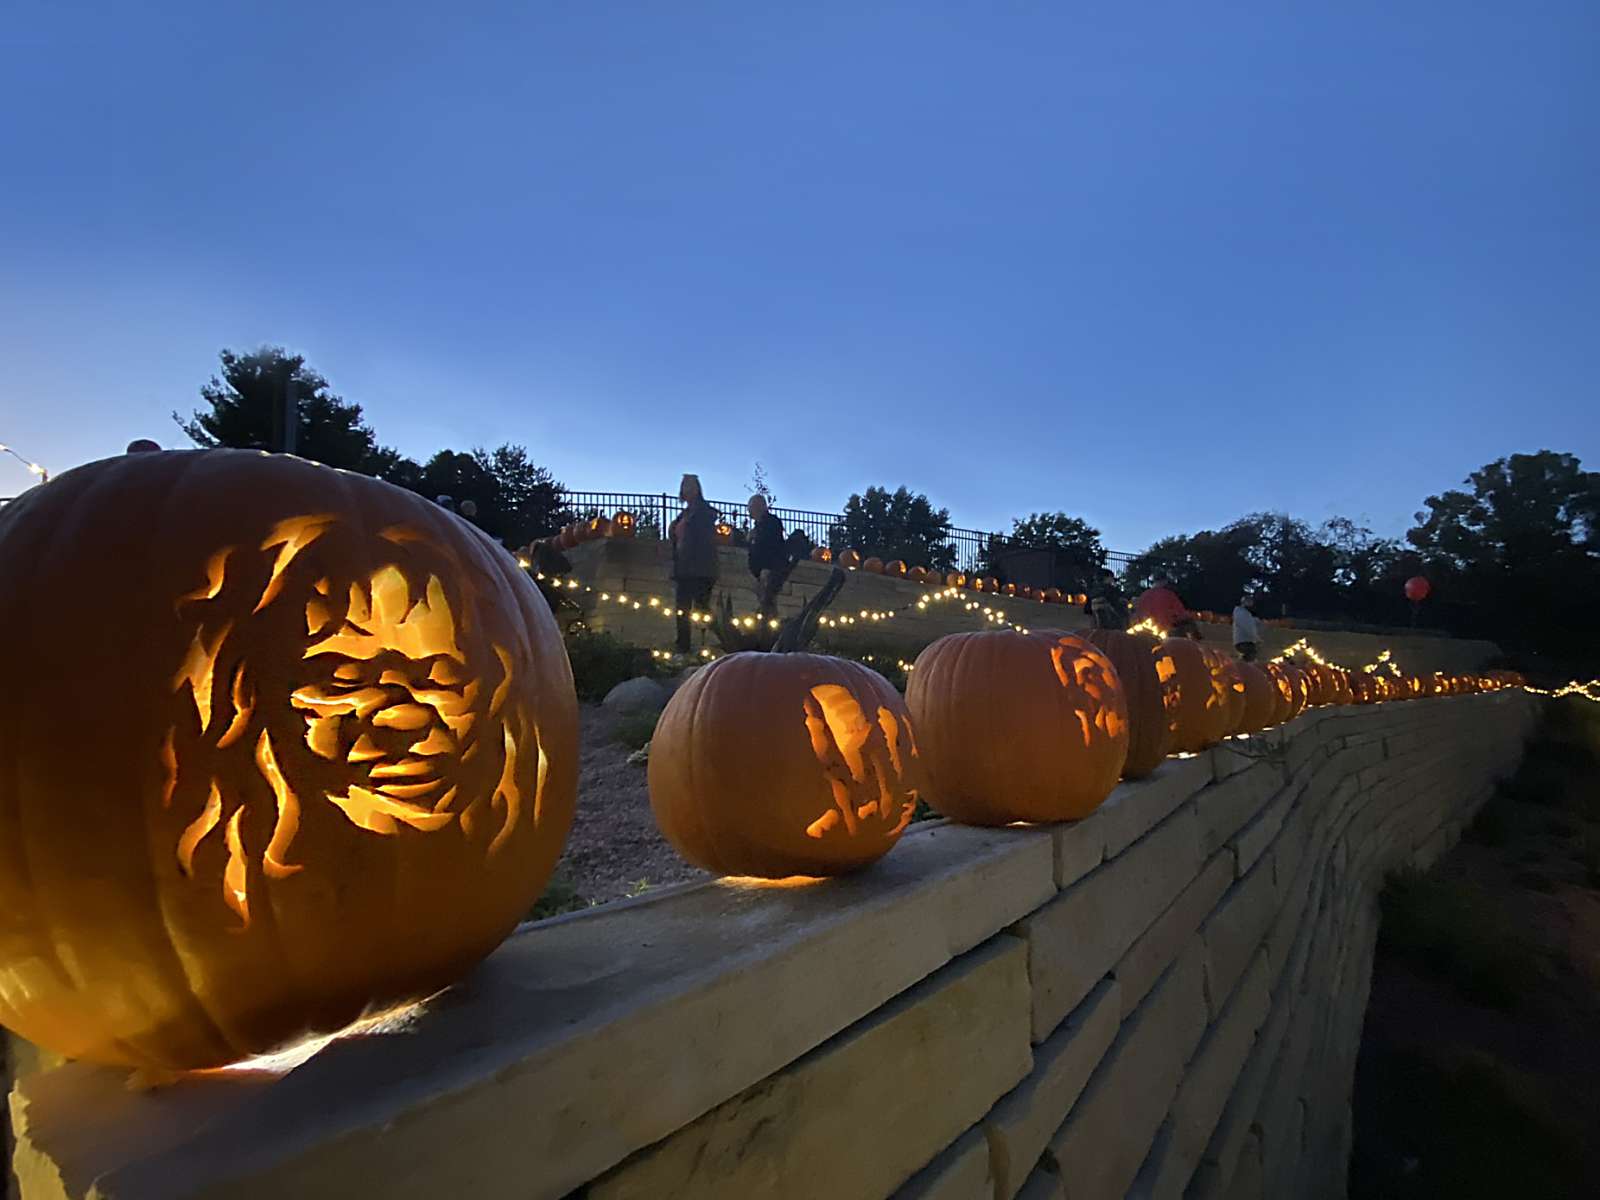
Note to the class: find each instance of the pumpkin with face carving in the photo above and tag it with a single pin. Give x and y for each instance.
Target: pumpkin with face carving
(1018, 726)
(775, 765)
(297, 745)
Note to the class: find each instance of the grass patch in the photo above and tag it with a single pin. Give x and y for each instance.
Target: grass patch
(1452, 931)
(1461, 1131)
(635, 729)
(559, 897)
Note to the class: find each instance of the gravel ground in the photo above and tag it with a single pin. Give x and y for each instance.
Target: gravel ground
(615, 849)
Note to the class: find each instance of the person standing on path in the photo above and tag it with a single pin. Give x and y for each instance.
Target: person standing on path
(769, 557)
(1248, 632)
(693, 535)
(1107, 605)
(1160, 604)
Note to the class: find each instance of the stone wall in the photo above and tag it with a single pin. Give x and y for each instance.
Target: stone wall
(1162, 1000)
(640, 570)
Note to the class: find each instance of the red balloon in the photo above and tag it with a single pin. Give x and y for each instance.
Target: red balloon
(1417, 589)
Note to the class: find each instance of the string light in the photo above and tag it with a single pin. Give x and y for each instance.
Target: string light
(35, 468)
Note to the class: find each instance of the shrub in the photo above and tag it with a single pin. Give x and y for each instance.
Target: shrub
(600, 661)
(1451, 929)
(635, 729)
(559, 897)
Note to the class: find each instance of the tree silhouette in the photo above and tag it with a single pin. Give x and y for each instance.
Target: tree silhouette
(242, 403)
(899, 524)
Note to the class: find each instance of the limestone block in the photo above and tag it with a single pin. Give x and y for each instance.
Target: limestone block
(1020, 1126)
(1133, 809)
(1248, 1181)
(848, 1119)
(1237, 928)
(1305, 752)
(526, 1079)
(1105, 1138)
(1080, 847)
(1043, 1184)
(1225, 807)
(1208, 1082)
(1076, 938)
(1242, 751)
(959, 1172)
(1158, 946)
(1234, 1127)
(1252, 841)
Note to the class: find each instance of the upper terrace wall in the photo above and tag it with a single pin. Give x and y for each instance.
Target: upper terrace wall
(640, 569)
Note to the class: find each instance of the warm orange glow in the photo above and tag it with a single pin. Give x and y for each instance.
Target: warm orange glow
(280, 1062)
(289, 537)
(755, 881)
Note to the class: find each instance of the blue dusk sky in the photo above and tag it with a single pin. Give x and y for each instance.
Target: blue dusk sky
(1154, 264)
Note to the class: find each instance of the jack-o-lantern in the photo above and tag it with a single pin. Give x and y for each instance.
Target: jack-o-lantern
(850, 560)
(1017, 727)
(1145, 670)
(956, 579)
(723, 532)
(624, 524)
(1052, 596)
(1362, 690)
(567, 538)
(1260, 698)
(1229, 687)
(1202, 710)
(873, 566)
(1292, 682)
(1025, 591)
(295, 745)
(895, 569)
(921, 575)
(597, 527)
(1010, 589)
(822, 555)
(979, 583)
(773, 765)
(991, 584)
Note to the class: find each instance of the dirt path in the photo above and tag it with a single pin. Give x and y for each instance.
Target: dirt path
(615, 849)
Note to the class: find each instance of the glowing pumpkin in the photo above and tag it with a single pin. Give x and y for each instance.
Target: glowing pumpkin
(873, 566)
(1017, 727)
(723, 533)
(597, 527)
(773, 765)
(1144, 666)
(295, 745)
(1292, 683)
(624, 524)
(850, 560)
(895, 569)
(1202, 709)
(1260, 696)
(1229, 687)
(822, 555)
(955, 579)
(1052, 596)
(1010, 589)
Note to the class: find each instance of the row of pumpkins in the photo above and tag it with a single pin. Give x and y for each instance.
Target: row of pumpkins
(996, 727)
(316, 754)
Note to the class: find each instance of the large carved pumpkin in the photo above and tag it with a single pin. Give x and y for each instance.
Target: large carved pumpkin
(1292, 683)
(1202, 709)
(1228, 685)
(774, 765)
(293, 745)
(1144, 666)
(1260, 697)
(1017, 726)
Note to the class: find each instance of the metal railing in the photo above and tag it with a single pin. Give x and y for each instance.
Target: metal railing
(969, 547)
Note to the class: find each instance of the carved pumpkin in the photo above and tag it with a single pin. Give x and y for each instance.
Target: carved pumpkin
(774, 765)
(1145, 669)
(1010, 589)
(598, 527)
(567, 538)
(895, 569)
(295, 745)
(850, 560)
(979, 583)
(991, 584)
(822, 555)
(873, 566)
(1202, 706)
(1017, 727)
(1294, 686)
(1260, 698)
(956, 579)
(1052, 596)
(723, 533)
(624, 524)
(1228, 686)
